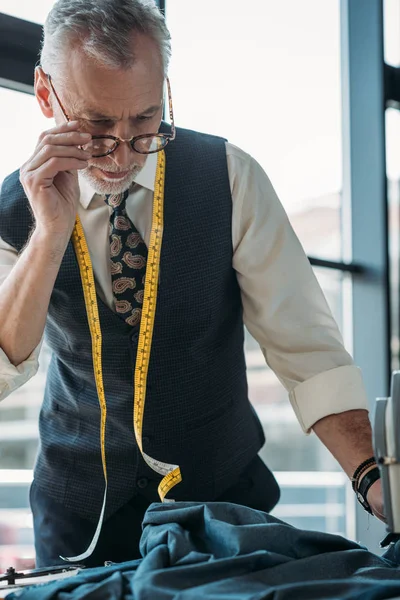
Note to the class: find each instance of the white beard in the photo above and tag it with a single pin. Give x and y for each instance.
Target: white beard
(103, 186)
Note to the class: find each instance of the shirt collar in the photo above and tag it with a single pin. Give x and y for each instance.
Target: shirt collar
(145, 178)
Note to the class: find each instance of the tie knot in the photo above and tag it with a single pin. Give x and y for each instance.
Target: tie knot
(117, 200)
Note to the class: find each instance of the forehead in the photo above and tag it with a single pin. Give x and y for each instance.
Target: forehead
(90, 84)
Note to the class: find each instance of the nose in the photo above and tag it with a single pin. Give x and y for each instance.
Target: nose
(124, 157)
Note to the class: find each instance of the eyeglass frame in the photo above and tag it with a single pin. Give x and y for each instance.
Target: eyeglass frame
(168, 137)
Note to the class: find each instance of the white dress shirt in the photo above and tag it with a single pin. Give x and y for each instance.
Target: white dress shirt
(283, 305)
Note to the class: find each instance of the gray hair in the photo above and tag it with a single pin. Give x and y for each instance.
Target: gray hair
(103, 29)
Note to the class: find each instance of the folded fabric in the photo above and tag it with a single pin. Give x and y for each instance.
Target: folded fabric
(221, 551)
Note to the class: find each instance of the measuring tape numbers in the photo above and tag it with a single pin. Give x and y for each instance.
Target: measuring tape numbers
(171, 473)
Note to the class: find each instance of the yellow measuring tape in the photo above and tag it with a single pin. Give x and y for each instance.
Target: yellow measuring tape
(171, 473)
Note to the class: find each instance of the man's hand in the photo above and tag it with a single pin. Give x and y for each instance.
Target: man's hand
(375, 500)
(50, 179)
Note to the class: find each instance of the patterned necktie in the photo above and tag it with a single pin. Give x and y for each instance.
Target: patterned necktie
(128, 261)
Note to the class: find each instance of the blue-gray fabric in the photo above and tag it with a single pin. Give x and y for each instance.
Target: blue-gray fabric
(197, 411)
(221, 551)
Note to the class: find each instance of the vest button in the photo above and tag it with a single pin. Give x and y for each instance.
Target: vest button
(142, 482)
(145, 439)
(135, 337)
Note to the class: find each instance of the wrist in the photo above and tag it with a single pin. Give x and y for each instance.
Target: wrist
(49, 239)
(362, 468)
(49, 245)
(364, 483)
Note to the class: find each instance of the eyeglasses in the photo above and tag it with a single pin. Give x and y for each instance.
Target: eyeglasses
(147, 143)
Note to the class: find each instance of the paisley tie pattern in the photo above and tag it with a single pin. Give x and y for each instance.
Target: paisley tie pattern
(128, 255)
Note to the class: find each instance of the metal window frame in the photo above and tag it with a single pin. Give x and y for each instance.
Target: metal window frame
(365, 222)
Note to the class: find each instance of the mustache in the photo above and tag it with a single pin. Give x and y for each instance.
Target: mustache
(113, 169)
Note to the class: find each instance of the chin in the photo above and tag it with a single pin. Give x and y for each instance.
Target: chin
(106, 186)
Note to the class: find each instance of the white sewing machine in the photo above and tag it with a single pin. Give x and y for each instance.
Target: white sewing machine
(387, 451)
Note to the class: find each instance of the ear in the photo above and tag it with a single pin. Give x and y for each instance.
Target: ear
(42, 93)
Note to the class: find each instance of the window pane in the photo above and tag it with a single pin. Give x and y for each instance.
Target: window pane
(27, 9)
(391, 23)
(21, 133)
(393, 178)
(268, 79)
(19, 412)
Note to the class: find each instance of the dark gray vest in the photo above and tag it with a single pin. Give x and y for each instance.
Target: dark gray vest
(197, 412)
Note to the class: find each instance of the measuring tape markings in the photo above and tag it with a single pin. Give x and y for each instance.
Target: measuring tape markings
(171, 473)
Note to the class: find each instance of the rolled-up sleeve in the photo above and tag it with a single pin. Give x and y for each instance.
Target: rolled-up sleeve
(284, 307)
(12, 377)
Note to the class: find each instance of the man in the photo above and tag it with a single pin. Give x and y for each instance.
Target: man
(186, 240)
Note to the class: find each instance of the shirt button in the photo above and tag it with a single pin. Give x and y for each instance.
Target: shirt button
(142, 482)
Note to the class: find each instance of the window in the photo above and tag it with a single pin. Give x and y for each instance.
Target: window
(392, 122)
(19, 412)
(267, 77)
(21, 125)
(391, 15)
(393, 188)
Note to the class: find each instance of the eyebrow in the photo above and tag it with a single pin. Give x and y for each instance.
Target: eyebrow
(93, 114)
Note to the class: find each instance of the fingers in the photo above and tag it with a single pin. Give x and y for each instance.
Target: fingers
(63, 135)
(45, 174)
(50, 151)
(59, 149)
(65, 128)
(71, 138)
